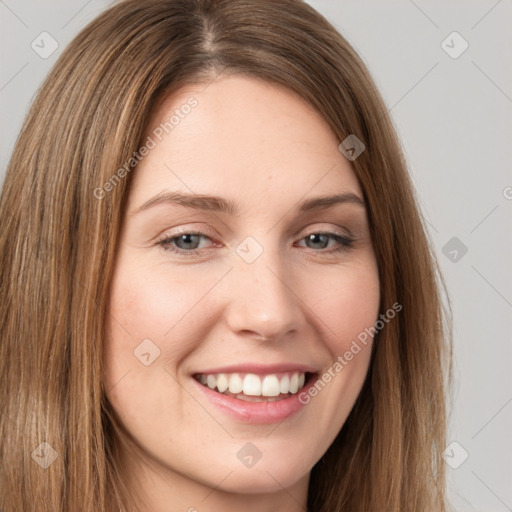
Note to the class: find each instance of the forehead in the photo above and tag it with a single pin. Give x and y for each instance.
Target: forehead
(241, 137)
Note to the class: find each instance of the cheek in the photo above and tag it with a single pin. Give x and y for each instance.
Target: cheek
(153, 310)
(348, 303)
(349, 307)
(156, 302)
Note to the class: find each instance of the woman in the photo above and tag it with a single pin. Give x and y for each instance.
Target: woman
(293, 357)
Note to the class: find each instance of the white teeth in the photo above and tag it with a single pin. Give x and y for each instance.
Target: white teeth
(235, 384)
(270, 386)
(294, 383)
(222, 383)
(285, 384)
(255, 385)
(211, 381)
(252, 385)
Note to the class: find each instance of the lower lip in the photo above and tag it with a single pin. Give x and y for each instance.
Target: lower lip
(255, 412)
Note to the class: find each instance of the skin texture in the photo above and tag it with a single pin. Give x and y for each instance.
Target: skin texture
(264, 148)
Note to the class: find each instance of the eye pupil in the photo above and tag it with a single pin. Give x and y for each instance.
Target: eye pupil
(319, 238)
(187, 239)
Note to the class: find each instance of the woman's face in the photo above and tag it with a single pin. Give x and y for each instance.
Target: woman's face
(258, 292)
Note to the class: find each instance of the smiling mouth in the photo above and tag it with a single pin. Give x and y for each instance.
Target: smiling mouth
(251, 387)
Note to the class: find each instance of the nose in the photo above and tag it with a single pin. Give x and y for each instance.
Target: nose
(262, 300)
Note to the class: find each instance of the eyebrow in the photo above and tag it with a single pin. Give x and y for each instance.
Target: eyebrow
(222, 205)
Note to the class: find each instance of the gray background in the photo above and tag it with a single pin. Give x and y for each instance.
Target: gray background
(454, 119)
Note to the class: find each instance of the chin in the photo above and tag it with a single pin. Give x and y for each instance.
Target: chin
(262, 480)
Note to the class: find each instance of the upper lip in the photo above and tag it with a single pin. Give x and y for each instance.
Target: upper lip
(260, 369)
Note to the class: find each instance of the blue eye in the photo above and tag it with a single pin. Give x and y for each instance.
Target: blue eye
(187, 243)
(322, 239)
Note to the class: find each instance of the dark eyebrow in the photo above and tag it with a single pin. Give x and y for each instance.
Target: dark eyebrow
(219, 204)
(195, 201)
(323, 202)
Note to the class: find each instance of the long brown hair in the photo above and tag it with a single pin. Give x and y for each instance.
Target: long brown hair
(58, 243)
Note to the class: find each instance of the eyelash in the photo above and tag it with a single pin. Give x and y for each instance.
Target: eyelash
(345, 243)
